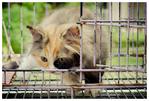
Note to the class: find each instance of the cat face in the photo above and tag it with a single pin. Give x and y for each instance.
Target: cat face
(56, 46)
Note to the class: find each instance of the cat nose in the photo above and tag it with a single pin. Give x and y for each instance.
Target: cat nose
(63, 63)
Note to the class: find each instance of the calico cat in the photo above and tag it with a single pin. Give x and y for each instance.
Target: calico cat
(56, 44)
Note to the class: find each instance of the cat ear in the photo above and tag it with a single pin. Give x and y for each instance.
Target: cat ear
(72, 35)
(72, 32)
(37, 36)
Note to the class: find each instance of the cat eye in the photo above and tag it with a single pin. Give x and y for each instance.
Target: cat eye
(44, 59)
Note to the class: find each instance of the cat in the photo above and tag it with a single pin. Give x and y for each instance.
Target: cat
(56, 44)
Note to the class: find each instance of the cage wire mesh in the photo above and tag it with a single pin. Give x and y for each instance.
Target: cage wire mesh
(125, 71)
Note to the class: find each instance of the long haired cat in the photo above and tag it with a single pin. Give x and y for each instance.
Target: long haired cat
(56, 44)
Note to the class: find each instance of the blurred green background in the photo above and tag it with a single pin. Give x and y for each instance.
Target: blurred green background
(28, 18)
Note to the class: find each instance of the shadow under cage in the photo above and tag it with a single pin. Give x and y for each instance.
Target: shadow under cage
(125, 72)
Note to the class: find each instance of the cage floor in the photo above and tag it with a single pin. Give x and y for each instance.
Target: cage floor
(122, 85)
(105, 94)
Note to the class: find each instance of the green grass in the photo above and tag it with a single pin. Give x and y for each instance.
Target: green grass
(132, 37)
(132, 59)
(123, 61)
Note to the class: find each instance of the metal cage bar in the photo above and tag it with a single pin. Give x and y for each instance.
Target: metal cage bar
(110, 18)
(81, 40)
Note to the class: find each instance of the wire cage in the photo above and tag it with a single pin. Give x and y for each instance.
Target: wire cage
(125, 74)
